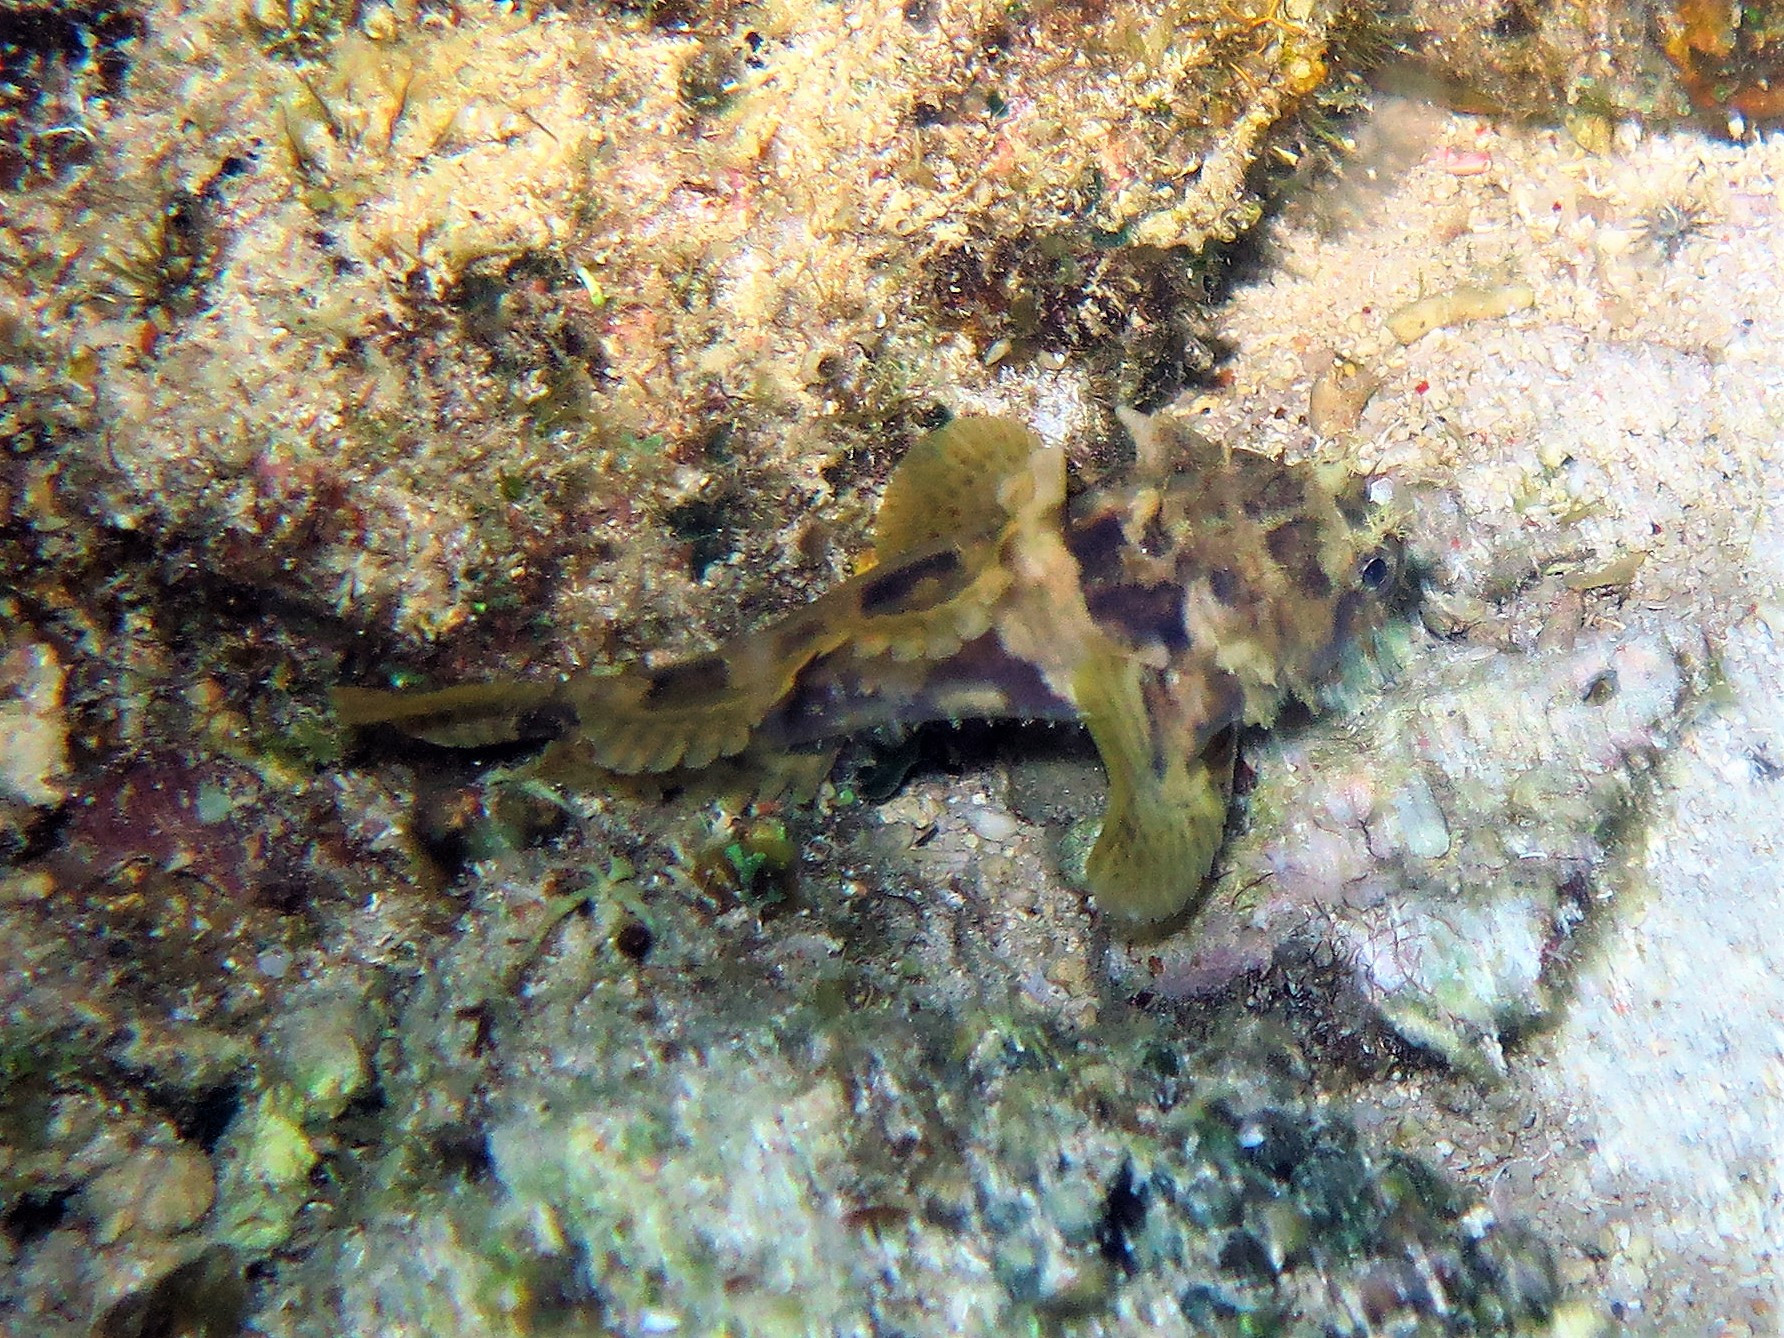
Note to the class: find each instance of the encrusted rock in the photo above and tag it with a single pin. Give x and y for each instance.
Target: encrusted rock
(160, 1189)
(33, 732)
(1444, 842)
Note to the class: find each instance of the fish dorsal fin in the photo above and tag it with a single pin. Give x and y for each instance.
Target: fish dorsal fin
(692, 712)
(966, 481)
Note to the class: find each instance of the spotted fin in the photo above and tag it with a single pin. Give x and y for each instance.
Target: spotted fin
(1167, 804)
(966, 481)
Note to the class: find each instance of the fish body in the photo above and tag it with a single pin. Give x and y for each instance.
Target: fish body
(1162, 614)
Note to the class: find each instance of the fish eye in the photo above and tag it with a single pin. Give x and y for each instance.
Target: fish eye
(1375, 572)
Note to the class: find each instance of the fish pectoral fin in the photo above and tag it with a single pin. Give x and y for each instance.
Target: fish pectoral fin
(1157, 844)
(1167, 805)
(472, 715)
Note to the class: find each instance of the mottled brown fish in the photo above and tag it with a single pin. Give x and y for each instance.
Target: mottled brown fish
(1161, 614)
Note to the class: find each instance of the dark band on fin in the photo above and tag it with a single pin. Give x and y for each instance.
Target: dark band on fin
(689, 683)
(892, 591)
(1162, 745)
(548, 720)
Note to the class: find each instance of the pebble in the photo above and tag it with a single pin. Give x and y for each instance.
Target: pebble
(157, 1190)
(992, 824)
(34, 759)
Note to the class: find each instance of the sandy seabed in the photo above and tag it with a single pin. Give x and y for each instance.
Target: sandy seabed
(1636, 407)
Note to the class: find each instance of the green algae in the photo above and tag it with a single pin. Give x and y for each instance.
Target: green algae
(266, 1161)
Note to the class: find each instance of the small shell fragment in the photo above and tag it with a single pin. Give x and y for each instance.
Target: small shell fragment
(1461, 162)
(1459, 305)
(992, 824)
(1340, 394)
(1612, 575)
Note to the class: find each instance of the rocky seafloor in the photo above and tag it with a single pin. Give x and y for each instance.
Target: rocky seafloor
(389, 345)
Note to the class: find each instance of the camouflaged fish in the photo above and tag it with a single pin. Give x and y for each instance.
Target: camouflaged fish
(1162, 614)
